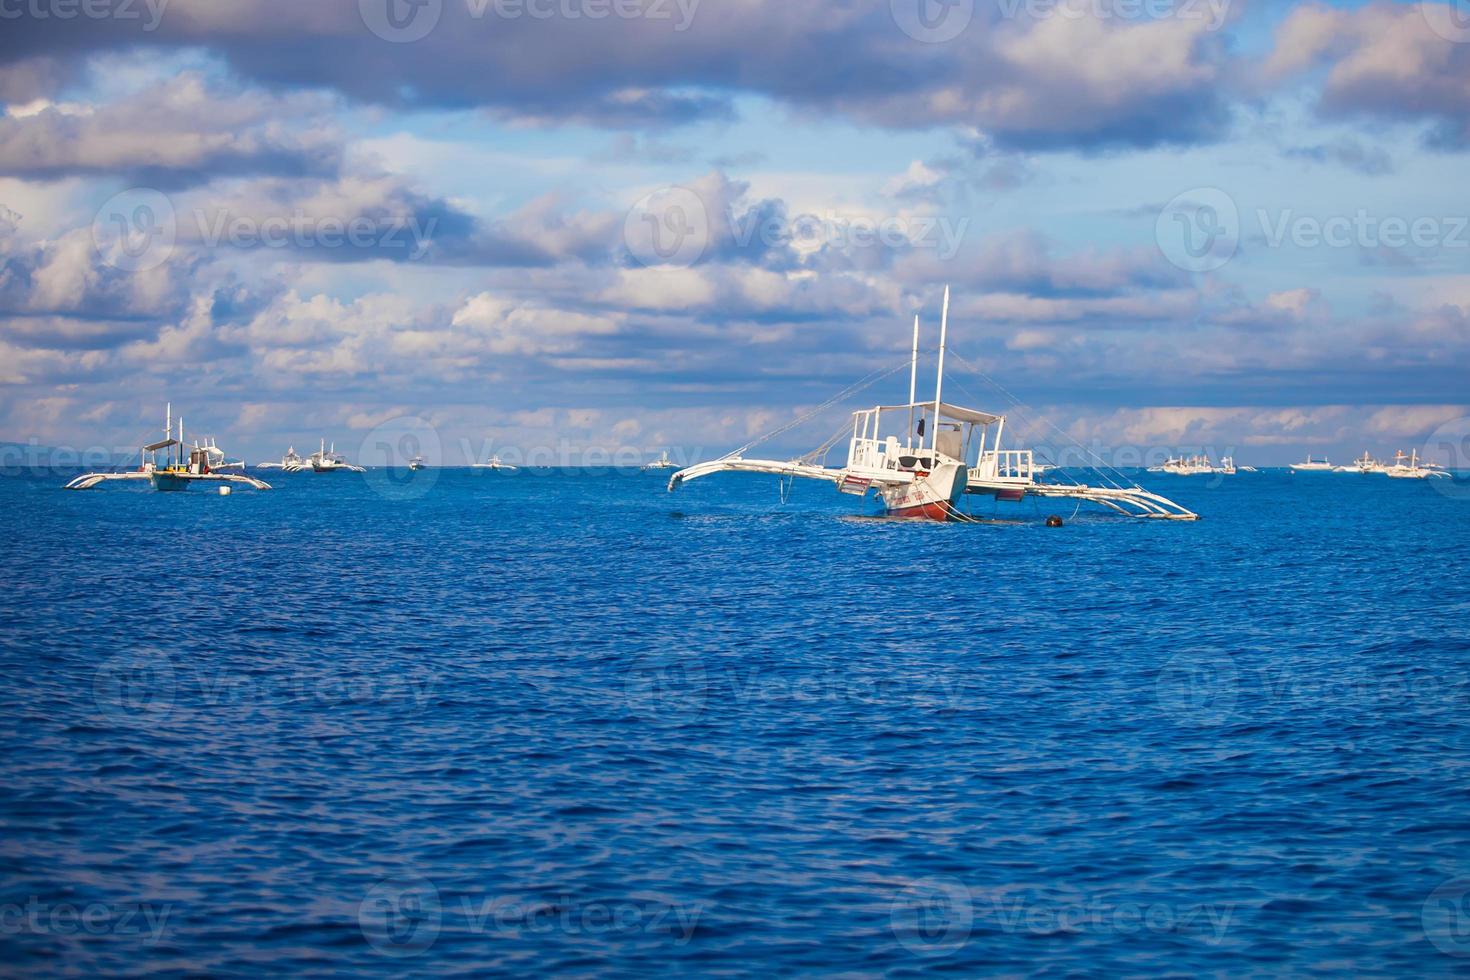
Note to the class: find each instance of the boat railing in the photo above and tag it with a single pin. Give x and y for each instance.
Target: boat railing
(1008, 464)
(875, 454)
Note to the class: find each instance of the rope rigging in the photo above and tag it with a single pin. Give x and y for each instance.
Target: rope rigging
(1016, 405)
(852, 389)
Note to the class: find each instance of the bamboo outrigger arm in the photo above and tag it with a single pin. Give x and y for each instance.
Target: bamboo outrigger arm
(1128, 501)
(89, 480)
(737, 464)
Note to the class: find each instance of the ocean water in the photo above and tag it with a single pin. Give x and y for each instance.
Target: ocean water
(567, 723)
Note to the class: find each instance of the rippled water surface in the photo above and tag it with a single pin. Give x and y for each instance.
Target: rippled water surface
(569, 723)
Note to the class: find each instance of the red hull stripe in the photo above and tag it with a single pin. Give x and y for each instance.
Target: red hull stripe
(934, 511)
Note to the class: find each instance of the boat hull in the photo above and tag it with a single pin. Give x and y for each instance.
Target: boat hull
(169, 483)
(932, 497)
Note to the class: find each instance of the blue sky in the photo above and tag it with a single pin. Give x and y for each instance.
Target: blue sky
(1167, 223)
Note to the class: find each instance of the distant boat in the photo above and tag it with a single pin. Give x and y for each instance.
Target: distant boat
(1313, 465)
(1181, 466)
(326, 460)
(1413, 469)
(292, 462)
(1363, 464)
(417, 463)
(217, 461)
(172, 465)
(662, 463)
(493, 463)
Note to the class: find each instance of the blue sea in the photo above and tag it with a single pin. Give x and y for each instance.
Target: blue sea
(567, 723)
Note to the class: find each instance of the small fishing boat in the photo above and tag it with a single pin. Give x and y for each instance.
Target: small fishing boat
(1312, 465)
(172, 465)
(493, 463)
(218, 463)
(1363, 464)
(1184, 466)
(1409, 467)
(292, 462)
(326, 460)
(662, 463)
(953, 451)
(417, 463)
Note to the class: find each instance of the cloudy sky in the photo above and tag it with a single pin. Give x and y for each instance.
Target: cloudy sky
(678, 223)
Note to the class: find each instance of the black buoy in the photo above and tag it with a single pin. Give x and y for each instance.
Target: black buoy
(1053, 521)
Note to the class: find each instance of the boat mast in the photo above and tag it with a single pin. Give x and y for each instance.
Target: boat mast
(939, 378)
(913, 379)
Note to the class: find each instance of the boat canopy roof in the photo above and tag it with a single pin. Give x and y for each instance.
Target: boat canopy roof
(160, 445)
(946, 410)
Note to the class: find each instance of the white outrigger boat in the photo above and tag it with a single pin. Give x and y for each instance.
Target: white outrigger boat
(493, 463)
(960, 455)
(662, 463)
(326, 460)
(1413, 469)
(1312, 465)
(172, 465)
(1363, 464)
(292, 462)
(218, 463)
(1191, 466)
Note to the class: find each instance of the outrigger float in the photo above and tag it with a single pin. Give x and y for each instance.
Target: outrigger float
(172, 465)
(960, 454)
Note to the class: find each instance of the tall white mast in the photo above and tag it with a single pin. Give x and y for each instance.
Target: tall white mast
(913, 379)
(168, 432)
(939, 378)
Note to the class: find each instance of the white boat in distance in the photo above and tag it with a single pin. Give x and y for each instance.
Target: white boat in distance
(1192, 466)
(417, 463)
(493, 463)
(172, 465)
(1313, 465)
(662, 463)
(326, 460)
(928, 478)
(292, 462)
(1410, 468)
(218, 463)
(1363, 464)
